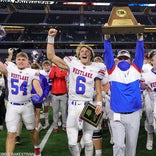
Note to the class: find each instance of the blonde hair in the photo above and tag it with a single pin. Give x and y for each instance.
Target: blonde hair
(78, 49)
(22, 54)
(98, 59)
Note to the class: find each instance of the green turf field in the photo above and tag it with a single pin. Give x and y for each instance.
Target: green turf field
(55, 144)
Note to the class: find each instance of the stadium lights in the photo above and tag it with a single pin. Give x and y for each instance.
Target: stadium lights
(29, 1)
(74, 3)
(143, 5)
(100, 4)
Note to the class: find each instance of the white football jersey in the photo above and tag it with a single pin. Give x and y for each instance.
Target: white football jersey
(150, 79)
(81, 78)
(146, 67)
(20, 82)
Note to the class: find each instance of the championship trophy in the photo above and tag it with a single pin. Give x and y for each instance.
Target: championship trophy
(122, 21)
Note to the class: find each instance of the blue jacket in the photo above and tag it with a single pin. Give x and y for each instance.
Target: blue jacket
(124, 85)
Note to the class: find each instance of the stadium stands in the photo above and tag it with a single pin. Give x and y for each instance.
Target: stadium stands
(75, 24)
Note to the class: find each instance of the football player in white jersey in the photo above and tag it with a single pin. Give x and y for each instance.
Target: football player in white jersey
(19, 81)
(149, 78)
(83, 76)
(147, 107)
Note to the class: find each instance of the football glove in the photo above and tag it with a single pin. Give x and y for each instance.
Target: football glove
(36, 99)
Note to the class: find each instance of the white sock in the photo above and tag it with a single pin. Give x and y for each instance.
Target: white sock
(98, 152)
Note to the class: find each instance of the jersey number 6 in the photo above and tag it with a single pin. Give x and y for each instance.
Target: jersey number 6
(80, 87)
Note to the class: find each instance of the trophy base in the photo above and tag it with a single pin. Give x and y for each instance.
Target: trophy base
(123, 29)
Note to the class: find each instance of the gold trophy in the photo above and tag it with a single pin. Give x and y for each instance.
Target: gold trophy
(122, 21)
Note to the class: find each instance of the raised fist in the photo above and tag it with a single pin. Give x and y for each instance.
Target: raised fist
(52, 32)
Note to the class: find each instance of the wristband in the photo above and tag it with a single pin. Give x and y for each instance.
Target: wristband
(99, 103)
(50, 39)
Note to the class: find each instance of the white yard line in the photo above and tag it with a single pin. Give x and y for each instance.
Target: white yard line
(46, 137)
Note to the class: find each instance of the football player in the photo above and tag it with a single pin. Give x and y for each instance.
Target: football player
(19, 81)
(149, 84)
(84, 75)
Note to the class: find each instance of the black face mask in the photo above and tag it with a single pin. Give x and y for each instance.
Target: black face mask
(124, 65)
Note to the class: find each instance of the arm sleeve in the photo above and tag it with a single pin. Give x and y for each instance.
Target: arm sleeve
(108, 55)
(139, 54)
(52, 73)
(62, 74)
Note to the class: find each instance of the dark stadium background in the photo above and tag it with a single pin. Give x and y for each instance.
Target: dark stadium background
(76, 23)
